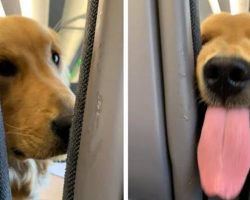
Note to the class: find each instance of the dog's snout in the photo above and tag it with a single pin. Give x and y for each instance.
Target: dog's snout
(226, 76)
(61, 127)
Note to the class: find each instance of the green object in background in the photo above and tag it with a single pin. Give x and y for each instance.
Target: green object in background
(74, 72)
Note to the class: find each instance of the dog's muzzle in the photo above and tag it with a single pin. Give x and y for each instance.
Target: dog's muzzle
(226, 76)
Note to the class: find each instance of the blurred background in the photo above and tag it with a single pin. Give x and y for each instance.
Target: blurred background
(209, 7)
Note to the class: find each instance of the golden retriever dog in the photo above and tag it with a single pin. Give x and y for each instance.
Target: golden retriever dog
(223, 76)
(37, 107)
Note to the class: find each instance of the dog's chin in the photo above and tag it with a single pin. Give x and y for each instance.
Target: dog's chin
(57, 155)
(59, 158)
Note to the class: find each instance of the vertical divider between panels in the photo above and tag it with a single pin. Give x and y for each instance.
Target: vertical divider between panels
(77, 123)
(196, 38)
(195, 23)
(5, 193)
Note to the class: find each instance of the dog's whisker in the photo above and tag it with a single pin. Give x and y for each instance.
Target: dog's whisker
(24, 134)
(17, 128)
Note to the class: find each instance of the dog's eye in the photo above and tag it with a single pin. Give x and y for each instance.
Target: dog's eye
(7, 68)
(55, 58)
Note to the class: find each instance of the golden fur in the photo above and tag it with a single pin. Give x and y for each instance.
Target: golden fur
(224, 35)
(31, 99)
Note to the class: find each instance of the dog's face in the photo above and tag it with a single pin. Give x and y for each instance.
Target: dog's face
(37, 107)
(223, 64)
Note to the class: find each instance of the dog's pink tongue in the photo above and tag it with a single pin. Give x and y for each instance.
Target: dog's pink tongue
(224, 151)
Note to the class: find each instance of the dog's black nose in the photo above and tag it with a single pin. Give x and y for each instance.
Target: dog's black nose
(226, 76)
(61, 127)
